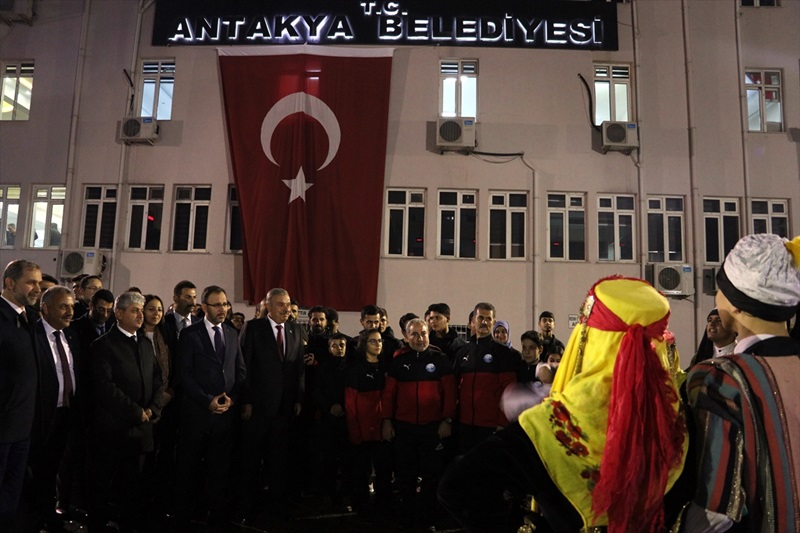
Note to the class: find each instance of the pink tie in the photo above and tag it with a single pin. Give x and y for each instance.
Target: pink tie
(280, 341)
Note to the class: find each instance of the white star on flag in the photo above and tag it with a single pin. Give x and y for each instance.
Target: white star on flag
(298, 186)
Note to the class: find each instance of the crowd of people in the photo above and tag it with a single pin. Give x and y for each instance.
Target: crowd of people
(124, 412)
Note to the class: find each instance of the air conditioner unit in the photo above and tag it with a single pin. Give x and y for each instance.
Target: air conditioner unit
(12, 11)
(670, 278)
(138, 130)
(455, 133)
(620, 136)
(75, 262)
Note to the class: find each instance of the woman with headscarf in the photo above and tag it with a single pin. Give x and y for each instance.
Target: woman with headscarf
(605, 446)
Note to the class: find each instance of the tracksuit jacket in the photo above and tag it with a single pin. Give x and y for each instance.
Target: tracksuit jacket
(420, 387)
(484, 368)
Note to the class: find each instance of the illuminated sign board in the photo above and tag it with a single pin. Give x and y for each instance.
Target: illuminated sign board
(565, 24)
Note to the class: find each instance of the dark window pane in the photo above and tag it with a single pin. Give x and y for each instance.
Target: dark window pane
(497, 234)
(180, 233)
(625, 202)
(416, 197)
(90, 225)
(138, 193)
(156, 193)
(153, 240)
(576, 201)
(397, 197)
(202, 193)
(447, 244)
(518, 200)
(711, 206)
(135, 232)
(674, 204)
(605, 202)
(416, 227)
(625, 237)
(395, 231)
(760, 207)
(111, 194)
(235, 237)
(655, 237)
(498, 199)
(517, 234)
(654, 203)
(731, 207)
(448, 198)
(777, 208)
(183, 193)
(780, 226)
(107, 224)
(712, 240)
(577, 244)
(468, 199)
(605, 236)
(556, 200)
(675, 233)
(557, 235)
(467, 237)
(760, 226)
(94, 193)
(232, 196)
(730, 232)
(200, 227)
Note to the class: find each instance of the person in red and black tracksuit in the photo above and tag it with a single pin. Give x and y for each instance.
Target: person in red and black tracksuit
(419, 402)
(364, 381)
(484, 369)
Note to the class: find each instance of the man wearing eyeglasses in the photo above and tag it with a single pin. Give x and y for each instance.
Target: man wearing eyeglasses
(211, 374)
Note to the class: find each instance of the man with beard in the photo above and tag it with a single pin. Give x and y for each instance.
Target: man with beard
(371, 319)
(18, 377)
(550, 344)
(484, 368)
(718, 340)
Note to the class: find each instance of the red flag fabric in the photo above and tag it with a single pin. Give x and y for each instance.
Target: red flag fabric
(307, 131)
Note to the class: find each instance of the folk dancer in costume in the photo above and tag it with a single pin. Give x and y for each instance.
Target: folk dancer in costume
(605, 446)
(746, 406)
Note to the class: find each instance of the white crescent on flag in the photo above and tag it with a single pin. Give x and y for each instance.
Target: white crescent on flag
(301, 103)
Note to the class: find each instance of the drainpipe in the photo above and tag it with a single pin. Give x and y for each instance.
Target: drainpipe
(743, 115)
(639, 175)
(694, 197)
(69, 179)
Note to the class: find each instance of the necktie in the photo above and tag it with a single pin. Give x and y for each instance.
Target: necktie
(280, 341)
(101, 329)
(65, 371)
(219, 346)
(23, 319)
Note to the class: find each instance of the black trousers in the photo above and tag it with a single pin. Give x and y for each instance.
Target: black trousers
(484, 488)
(416, 456)
(365, 457)
(265, 439)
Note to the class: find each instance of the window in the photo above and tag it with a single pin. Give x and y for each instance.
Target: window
(566, 227)
(457, 223)
(99, 216)
(405, 232)
(760, 3)
(615, 234)
(763, 89)
(770, 216)
(158, 82)
(508, 213)
(146, 217)
(612, 93)
(664, 228)
(17, 88)
(47, 217)
(9, 214)
(191, 218)
(234, 221)
(458, 88)
(721, 221)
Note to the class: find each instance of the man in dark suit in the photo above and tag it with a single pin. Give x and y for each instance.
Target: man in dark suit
(272, 397)
(184, 300)
(97, 321)
(127, 387)
(211, 374)
(58, 355)
(21, 281)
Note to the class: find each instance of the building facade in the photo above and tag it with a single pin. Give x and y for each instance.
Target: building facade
(528, 219)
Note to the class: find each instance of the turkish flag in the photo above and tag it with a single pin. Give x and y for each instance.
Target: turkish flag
(307, 130)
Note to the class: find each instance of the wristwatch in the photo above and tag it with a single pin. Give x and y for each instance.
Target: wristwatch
(449, 421)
